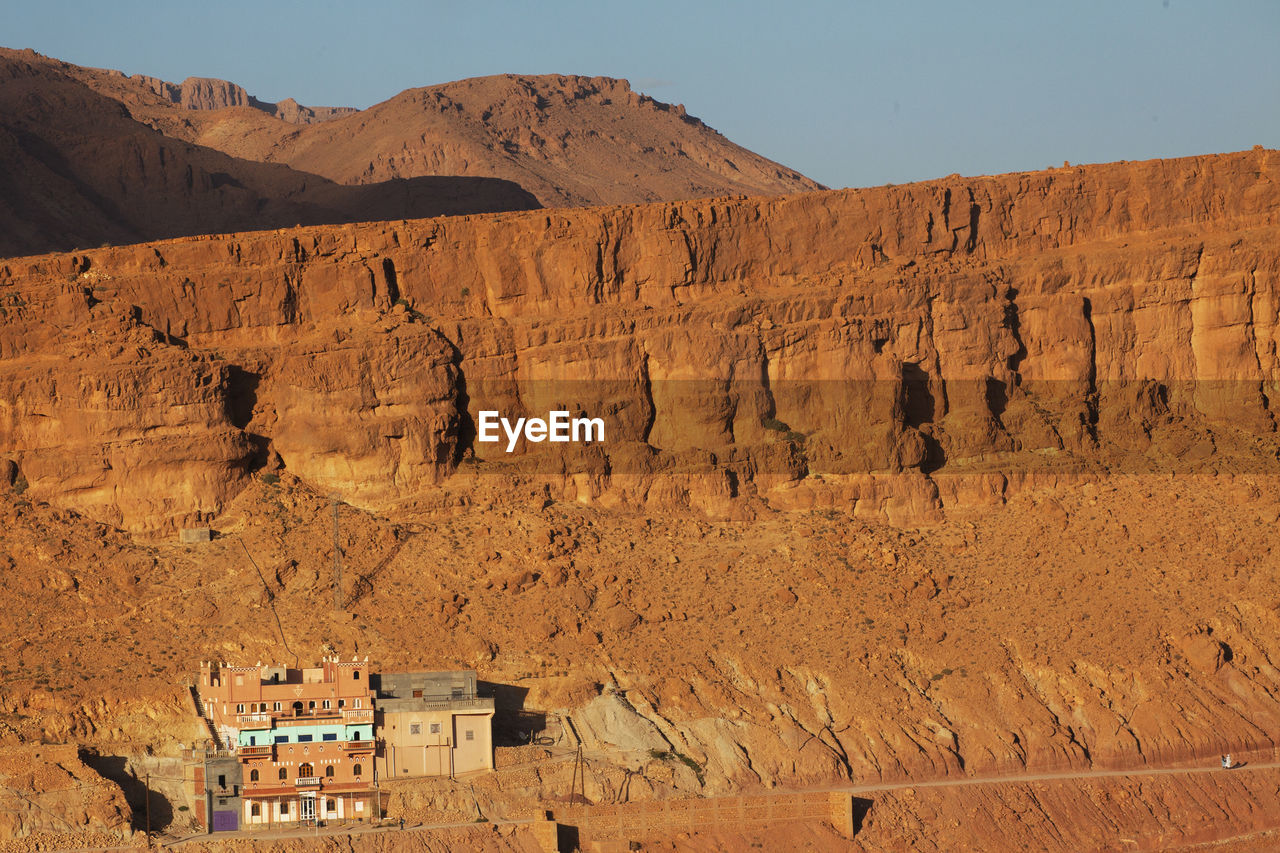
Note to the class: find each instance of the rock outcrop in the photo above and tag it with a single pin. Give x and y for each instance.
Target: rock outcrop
(51, 800)
(894, 349)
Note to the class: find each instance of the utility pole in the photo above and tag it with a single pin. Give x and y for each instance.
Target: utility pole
(337, 557)
(146, 792)
(573, 786)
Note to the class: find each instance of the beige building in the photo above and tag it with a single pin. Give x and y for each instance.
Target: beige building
(432, 724)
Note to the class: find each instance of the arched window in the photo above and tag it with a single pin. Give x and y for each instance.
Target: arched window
(342, 703)
(253, 775)
(331, 806)
(356, 770)
(355, 674)
(328, 772)
(283, 773)
(305, 771)
(312, 704)
(327, 704)
(297, 709)
(255, 810)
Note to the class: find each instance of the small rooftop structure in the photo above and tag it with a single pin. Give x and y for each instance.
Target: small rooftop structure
(412, 691)
(193, 535)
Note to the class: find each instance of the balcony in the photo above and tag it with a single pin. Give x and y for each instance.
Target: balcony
(356, 745)
(357, 715)
(307, 716)
(307, 782)
(259, 751)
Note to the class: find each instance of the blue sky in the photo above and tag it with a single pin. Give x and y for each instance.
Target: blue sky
(850, 93)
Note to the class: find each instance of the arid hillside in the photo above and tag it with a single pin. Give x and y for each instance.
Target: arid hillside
(93, 156)
(77, 170)
(966, 478)
(569, 140)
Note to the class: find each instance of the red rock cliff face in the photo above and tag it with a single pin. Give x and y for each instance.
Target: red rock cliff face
(894, 348)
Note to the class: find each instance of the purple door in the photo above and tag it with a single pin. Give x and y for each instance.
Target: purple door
(226, 821)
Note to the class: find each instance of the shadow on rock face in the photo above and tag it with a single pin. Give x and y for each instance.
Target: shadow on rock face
(136, 794)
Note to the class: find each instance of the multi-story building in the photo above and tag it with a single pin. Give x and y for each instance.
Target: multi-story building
(432, 724)
(211, 778)
(303, 738)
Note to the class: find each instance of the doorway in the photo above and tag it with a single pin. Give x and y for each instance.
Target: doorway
(308, 804)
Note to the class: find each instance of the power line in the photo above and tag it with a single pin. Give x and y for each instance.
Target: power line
(337, 557)
(271, 600)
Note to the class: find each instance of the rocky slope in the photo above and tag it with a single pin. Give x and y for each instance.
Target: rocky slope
(1058, 385)
(47, 794)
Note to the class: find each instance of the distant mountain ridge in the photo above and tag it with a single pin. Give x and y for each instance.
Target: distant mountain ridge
(77, 170)
(96, 156)
(570, 140)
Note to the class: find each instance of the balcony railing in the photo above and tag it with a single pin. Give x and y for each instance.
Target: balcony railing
(257, 751)
(263, 719)
(304, 781)
(356, 745)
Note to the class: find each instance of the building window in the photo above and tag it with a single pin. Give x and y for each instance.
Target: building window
(305, 771)
(435, 728)
(304, 738)
(222, 781)
(356, 770)
(417, 694)
(415, 728)
(355, 674)
(471, 735)
(455, 692)
(253, 775)
(328, 772)
(357, 703)
(327, 705)
(275, 706)
(330, 736)
(282, 738)
(253, 740)
(255, 810)
(283, 775)
(342, 703)
(311, 706)
(284, 806)
(240, 708)
(332, 806)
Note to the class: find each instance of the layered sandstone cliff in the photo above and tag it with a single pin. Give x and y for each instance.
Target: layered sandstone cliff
(895, 349)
